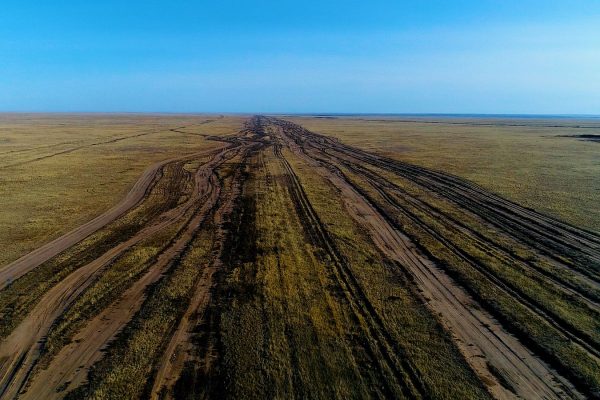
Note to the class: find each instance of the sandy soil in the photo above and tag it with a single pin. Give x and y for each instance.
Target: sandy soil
(508, 366)
(31, 260)
(480, 337)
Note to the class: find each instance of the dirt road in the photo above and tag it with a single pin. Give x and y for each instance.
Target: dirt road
(17, 268)
(484, 266)
(484, 341)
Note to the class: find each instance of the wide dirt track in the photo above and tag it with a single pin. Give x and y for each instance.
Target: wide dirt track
(139, 298)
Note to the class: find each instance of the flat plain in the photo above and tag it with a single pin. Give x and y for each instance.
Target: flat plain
(546, 164)
(226, 256)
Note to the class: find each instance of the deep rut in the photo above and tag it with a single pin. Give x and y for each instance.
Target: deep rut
(403, 207)
(454, 304)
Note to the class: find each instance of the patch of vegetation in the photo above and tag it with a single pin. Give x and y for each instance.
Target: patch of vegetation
(287, 329)
(17, 299)
(530, 327)
(59, 172)
(124, 371)
(420, 337)
(119, 276)
(132, 357)
(528, 162)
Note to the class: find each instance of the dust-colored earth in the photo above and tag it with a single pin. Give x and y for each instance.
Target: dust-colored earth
(471, 257)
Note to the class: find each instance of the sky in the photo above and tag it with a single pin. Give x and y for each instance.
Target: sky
(515, 57)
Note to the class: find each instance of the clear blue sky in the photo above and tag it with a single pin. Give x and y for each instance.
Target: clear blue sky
(301, 56)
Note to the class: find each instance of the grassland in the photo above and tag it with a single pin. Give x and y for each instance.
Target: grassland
(535, 163)
(255, 258)
(58, 172)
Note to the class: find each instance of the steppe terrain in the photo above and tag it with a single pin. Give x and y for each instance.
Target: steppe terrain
(229, 256)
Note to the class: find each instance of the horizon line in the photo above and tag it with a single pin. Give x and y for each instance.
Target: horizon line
(319, 114)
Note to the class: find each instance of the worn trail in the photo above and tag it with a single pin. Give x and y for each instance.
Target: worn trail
(483, 266)
(484, 341)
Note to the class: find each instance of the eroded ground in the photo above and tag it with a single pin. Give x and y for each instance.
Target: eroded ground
(280, 263)
(551, 165)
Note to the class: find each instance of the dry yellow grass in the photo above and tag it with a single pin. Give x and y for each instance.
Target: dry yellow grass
(291, 328)
(527, 161)
(309, 297)
(59, 171)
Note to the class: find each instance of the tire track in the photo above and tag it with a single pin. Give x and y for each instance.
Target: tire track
(71, 150)
(477, 333)
(434, 180)
(489, 243)
(385, 351)
(565, 327)
(137, 193)
(26, 341)
(555, 238)
(506, 364)
(578, 243)
(87, 145)
(178, 351)
(69, 367)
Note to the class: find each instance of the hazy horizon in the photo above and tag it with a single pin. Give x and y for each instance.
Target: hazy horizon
(317, 114)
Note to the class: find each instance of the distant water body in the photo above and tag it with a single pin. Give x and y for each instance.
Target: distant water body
(483, 116)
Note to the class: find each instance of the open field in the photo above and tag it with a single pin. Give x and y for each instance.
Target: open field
(58, 172)
(538, 163)
(251, 257)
